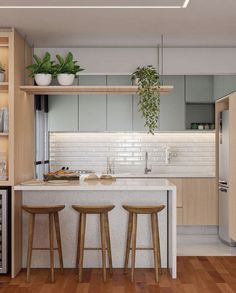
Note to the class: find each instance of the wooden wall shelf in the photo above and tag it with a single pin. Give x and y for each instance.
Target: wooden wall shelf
(3, 134)
(4, 40)
(3, 86)
(5, 183)
(63, 90)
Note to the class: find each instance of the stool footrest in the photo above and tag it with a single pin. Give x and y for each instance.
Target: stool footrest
(93, 248)
(142, 248)
(38, 248)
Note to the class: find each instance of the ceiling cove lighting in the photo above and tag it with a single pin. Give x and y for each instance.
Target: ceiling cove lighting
(185, 5)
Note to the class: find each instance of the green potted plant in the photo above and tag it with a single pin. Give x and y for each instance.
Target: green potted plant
(42, 70)
(148, 83)
(66, 69)
(2, 73)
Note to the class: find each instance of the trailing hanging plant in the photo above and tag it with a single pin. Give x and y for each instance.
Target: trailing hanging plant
(148, 83)
(44, 65)
(67, 65)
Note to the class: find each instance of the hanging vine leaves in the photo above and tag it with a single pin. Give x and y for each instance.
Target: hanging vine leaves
(148, 81)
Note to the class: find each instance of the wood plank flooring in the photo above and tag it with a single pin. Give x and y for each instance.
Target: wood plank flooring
(195, 274)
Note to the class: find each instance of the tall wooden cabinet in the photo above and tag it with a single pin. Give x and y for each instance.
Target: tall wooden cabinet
(17, 144)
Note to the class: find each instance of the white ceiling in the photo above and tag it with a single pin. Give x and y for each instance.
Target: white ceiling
(204, 23)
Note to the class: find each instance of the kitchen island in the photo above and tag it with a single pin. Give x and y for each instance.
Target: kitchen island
(118, 193)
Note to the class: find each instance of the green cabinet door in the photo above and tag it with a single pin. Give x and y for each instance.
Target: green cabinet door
(172, 107)
(224, 85)
(119, 107)
(63, 113)
(199, 89)
(92, 107)
(218, 86)
(138, 120)
(229, 84)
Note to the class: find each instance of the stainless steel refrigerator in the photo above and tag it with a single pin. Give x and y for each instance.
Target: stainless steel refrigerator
(224, 187)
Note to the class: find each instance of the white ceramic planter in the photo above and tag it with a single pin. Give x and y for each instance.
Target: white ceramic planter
(2, 76)
(43, 79)
(65, 79)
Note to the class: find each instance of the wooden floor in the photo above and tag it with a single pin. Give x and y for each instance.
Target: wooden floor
(195, 274)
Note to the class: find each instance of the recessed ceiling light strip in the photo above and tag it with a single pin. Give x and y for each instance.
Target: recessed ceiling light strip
(91, 7)
(185, 5)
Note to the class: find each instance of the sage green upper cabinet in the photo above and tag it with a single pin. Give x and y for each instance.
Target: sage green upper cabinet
(63, 113)
(199, 89)
(172, 107)
(138, 120)
(119, 107)
(92, 108)
(223, 85)
(229, 84)
(219, 90)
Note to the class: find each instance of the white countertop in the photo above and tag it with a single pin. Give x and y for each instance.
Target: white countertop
(94, 185)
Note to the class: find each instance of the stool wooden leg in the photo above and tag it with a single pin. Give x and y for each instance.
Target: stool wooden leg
(155, 243)
(103, 244)
(134, 232)
(129, 234)
(81, 244)
(51, 237)
(108, 240)
(78, 243)
(30, 244)
(58, 235)
(158, 247)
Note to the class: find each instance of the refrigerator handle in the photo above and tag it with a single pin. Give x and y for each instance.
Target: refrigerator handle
(222, 189)
(222, 182)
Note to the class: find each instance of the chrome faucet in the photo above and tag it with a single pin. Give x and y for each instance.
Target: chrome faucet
(110, 166)
(147, 170)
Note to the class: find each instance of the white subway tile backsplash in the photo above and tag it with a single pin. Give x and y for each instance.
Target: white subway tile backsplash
(191, 152)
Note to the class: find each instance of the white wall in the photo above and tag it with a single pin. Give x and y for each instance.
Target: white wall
(176, 60)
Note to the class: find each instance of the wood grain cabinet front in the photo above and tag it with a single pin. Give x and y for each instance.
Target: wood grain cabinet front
(200, 201)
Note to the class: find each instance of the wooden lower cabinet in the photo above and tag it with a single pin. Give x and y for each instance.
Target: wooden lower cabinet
(197, 201)
(200, 201)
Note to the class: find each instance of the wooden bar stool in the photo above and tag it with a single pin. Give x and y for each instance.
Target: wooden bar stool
(52, 212)
(132, 231)
(105, 236)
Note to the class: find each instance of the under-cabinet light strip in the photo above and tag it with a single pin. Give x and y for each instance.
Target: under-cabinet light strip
(185, 5)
